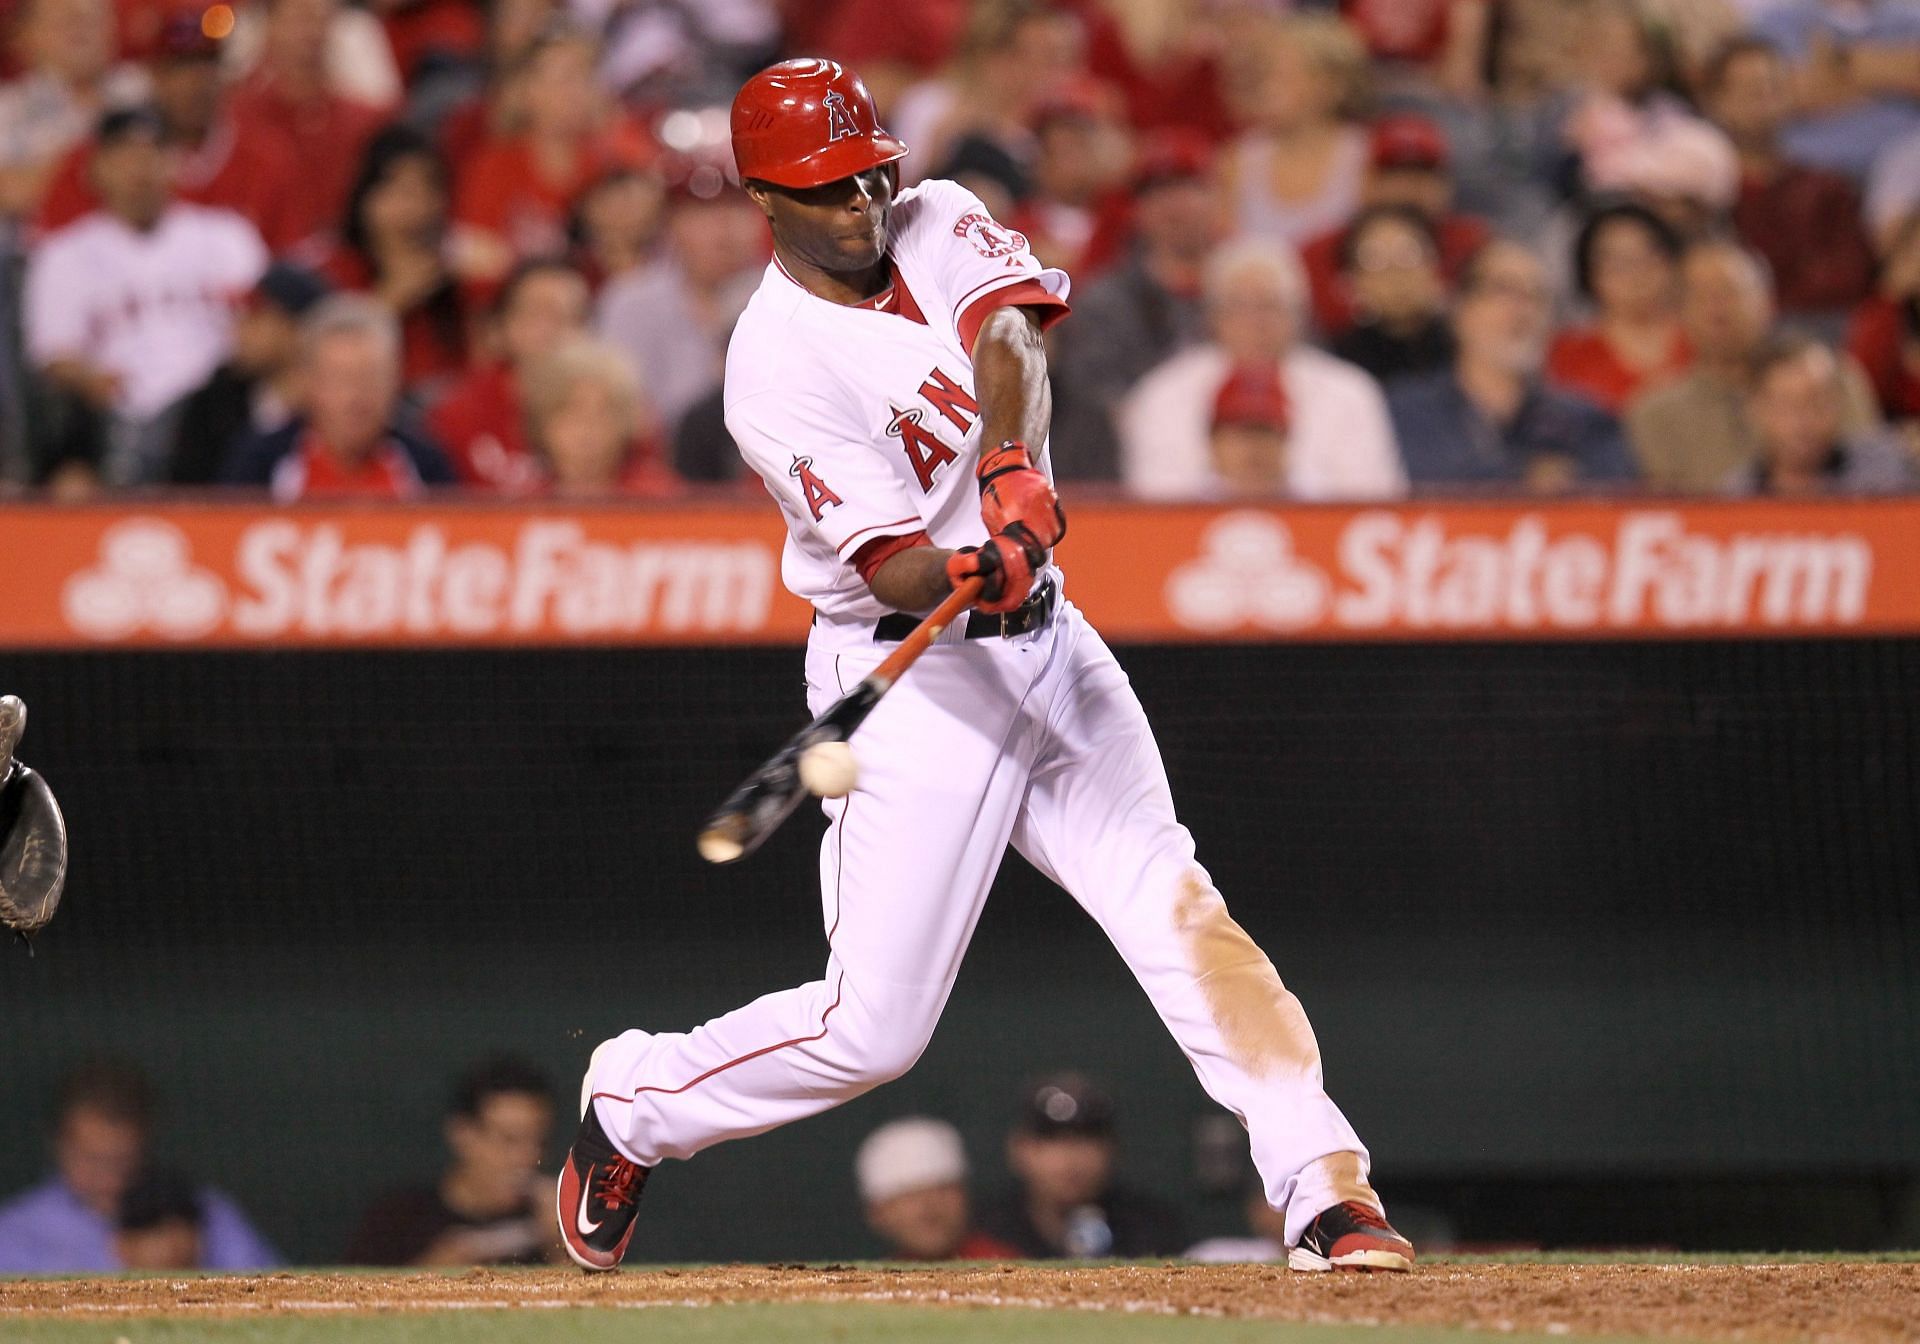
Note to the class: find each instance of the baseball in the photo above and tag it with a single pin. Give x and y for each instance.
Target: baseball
(829, 770)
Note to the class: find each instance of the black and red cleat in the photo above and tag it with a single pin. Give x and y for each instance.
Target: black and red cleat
(598, 1199)
(1350, 1236)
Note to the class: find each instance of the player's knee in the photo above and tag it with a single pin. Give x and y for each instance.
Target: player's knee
(880, 1047)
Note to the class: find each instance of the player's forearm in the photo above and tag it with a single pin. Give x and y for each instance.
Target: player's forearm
(1010, 380)
(913, 580)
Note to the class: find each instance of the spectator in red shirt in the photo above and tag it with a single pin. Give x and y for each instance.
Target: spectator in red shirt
(428, 33)
(392, 244)
(1627, 265)
(1805, 221)
(1075, 217)
(290, 93)
(516, 196)
(513, 26)
(913, 1184)
(588, 425)
(1425, 42)
(481, 422)
(348, 444)
(218, 159)
(1408, 167)
(1885, 333)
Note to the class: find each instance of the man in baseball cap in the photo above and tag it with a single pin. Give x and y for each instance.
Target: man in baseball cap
(1066, 1201)
(913, 1186)
(1249, 438)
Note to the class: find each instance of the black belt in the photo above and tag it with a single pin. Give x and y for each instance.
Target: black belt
(1032, 614)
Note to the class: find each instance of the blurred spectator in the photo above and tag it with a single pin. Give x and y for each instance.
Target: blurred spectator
(513, 26)
(1390, 271)
(1885, 332)
(492, 1205)
(257, 390)
(892, 45)
(481, 422)
(913, 1186)
(617, 225)
(290, 92)
(1796, 407)
(102, 1126)
(1408, 168)
(1297, 171)
(347, 443)
(218, 159)
(1066, 1200)
(1626, 264)
(1267, 1243)
(1692, 433)
(161, 1225)
(1630, 121)
(355, 57)
(392, 244)
(517, 194)
(429, 36)
(1165, 59)
(1803, 220)
(1340, 445)
(1490, 418)
(1426, 44)
(673, 317)
(1856, 71)
(1247, 443)
(69, 81)
(1072, 217)
(131, 307)
(1144, 312)
(1015, 54)
(587, 423)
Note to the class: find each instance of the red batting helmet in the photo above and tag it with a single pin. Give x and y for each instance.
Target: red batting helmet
(801, 123)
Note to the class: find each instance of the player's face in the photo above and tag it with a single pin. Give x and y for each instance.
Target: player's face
(839, 227)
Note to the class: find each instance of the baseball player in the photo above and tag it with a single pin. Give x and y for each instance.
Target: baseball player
(888, 382)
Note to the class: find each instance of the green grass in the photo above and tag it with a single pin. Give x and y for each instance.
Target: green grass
(756, 1323)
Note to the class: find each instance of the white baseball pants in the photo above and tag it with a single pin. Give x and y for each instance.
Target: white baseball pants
(1038, 740)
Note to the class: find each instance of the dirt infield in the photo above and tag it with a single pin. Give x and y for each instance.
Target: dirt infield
(1836, 1303)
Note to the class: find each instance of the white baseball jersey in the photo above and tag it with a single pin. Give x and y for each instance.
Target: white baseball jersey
(863, 421)
(155, 308)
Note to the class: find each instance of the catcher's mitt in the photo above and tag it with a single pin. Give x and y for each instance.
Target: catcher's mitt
(33, 835)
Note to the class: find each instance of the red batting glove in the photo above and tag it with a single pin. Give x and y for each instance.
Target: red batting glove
(1013, 490)
(1005, 565)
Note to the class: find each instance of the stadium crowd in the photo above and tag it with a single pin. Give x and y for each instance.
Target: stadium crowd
(1335, 250)
(108, 1205)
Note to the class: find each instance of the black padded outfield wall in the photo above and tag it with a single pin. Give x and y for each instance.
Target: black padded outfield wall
(1603, 943)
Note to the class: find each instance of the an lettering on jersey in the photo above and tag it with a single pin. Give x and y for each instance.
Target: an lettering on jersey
(819, 494)
(989, 237)
(951, 400)
(840, 123)
(923, 447)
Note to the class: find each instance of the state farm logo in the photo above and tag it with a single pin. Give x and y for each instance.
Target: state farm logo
(145, 580)
(1247, 574)
(546, 578)
(1401, 570)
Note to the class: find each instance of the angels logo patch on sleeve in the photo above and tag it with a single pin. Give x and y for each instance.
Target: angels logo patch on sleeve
(989, 237)
(819, 494)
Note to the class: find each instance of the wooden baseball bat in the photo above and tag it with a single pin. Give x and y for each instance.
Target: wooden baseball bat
(768, 796)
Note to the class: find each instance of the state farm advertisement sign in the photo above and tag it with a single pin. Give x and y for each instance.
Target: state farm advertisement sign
(169, 575)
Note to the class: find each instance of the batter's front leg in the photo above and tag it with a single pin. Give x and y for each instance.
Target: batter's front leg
(1100, 821)
(905, 868)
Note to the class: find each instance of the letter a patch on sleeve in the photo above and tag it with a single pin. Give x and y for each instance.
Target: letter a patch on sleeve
(819, 494)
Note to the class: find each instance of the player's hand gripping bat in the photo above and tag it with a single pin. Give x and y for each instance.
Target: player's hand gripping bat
(33, 835)
(768, 796)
